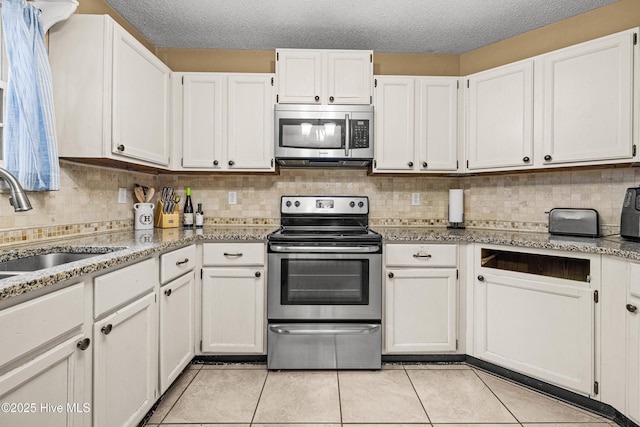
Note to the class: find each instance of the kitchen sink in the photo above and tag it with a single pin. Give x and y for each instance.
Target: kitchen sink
(38, 262)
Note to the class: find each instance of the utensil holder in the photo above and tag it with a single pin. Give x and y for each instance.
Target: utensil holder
(166, 220)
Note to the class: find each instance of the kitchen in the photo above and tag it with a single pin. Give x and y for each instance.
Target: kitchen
(501, 201)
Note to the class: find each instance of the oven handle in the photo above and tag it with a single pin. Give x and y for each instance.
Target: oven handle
(326, 249)
(366, 329)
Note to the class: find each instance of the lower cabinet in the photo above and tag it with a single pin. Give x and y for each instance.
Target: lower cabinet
(633, 344)
(126, 364)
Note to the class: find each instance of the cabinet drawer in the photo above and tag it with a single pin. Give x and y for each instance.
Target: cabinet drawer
(233, 254)
(120, 286)
(176, 263)
(421, 255)
(634, 279)
(29, 325)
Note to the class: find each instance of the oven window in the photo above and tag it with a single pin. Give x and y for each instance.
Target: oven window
(326, 282)
(306, 133)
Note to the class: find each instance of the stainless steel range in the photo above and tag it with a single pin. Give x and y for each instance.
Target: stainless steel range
(324, 288)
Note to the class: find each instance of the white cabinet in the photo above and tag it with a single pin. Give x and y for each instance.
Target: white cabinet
(112, 95)
(226, 121)
(45, 361)
(233, 298)
(177, 313)
(633, 344)
(416, 124)
(421, 289)
(588, 101)
(534, 313)
(324, 76)
(499, 117)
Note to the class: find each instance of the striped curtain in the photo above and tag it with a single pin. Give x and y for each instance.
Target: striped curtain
(31, 152)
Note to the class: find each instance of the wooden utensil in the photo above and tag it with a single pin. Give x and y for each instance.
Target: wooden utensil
(139, 193)
(150, 193)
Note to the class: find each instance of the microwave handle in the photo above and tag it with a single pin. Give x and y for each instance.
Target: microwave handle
(347, 136)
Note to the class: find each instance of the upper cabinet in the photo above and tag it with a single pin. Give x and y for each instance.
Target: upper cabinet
(500, 117)
(224, 122)
(588, 101)
(112, 95)
(324, 76)
(416, 120)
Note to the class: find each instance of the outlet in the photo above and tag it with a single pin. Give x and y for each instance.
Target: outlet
(415, 199)
(122, 195)
(233, 198)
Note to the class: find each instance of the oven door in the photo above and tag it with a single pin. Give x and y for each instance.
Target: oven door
(324, 283)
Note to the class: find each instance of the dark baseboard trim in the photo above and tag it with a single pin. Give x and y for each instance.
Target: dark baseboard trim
(219, 360)
(424, 358)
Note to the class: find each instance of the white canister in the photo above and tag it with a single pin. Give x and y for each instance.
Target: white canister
(143, 216)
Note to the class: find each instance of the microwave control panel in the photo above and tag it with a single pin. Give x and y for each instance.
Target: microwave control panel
(359, 133)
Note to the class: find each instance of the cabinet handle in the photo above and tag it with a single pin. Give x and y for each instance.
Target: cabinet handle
(632, 308)
(120, 148)
(424, 164)
(547, 157)
(526, 159)
(317, 98)
(422, 255)
(231, 163)
(179, 263)
(83, 344)
(410, 164)
(258, 274)
(168, 292)
(237, 254)
(216, 163)
(390, 275)
(481, 278)
(107, 329)
(331, 99)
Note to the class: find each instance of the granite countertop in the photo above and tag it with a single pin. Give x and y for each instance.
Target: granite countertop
(119, 247)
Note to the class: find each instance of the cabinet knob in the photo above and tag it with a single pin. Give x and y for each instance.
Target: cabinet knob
(410, 164)
(120, 148)
(547, 157)
(424, 164)
(481, 278)
(317, 98)
(107, 329)
(331, 99)
(390, 275)
(83, 344)
(526, 159)
(258, 274)
(216, 163)
(231, 163)
(184, 261)
(632, 308)
(168, 292)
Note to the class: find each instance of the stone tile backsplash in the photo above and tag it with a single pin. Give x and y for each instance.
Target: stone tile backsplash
(87, 202)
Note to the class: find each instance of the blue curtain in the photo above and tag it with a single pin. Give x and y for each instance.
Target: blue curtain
(31, 152)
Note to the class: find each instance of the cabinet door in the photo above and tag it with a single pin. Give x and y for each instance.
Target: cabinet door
(633, 343)
(299, 76)
(500, 117)
(588, 101)
(233, 315)
(177, 322)
(202, 120)
(349, 76)
(140, 101)
(125, 374)
(250, 122)
(421, 310)
(437, 123)
(49, 390)
(537, 328)
(394, 124)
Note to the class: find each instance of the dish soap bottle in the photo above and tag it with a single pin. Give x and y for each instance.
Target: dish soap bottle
(187, 220)
(199, 216)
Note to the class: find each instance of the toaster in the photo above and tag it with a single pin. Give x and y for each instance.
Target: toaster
(574, 222)
(630, 217)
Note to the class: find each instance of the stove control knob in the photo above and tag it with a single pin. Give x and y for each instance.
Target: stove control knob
(360, 204)
(297, 204)
(288, 203)
(352, 203)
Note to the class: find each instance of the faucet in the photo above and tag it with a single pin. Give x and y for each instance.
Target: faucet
(18, 198)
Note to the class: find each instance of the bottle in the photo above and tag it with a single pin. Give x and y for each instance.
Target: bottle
(199, 216)
(188, 210)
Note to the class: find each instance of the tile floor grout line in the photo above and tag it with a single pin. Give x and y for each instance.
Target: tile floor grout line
(339, 398)
(418, 395)
(180, 396)
(255, 411)
(497, 397)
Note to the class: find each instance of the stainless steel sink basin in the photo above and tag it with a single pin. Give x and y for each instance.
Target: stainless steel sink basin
(38, 262)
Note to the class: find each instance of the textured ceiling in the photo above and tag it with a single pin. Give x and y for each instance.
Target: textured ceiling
(406, 26)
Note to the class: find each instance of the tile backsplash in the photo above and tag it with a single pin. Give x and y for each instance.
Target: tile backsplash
(87, 201)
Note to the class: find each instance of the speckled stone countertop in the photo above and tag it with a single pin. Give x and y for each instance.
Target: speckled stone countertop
(117, 248)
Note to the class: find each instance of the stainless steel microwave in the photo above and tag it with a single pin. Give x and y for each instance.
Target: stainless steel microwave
(324, 135)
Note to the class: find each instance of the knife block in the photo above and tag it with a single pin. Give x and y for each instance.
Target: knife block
(166, 220)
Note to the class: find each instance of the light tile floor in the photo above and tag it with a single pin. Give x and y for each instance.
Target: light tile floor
(415, 395)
